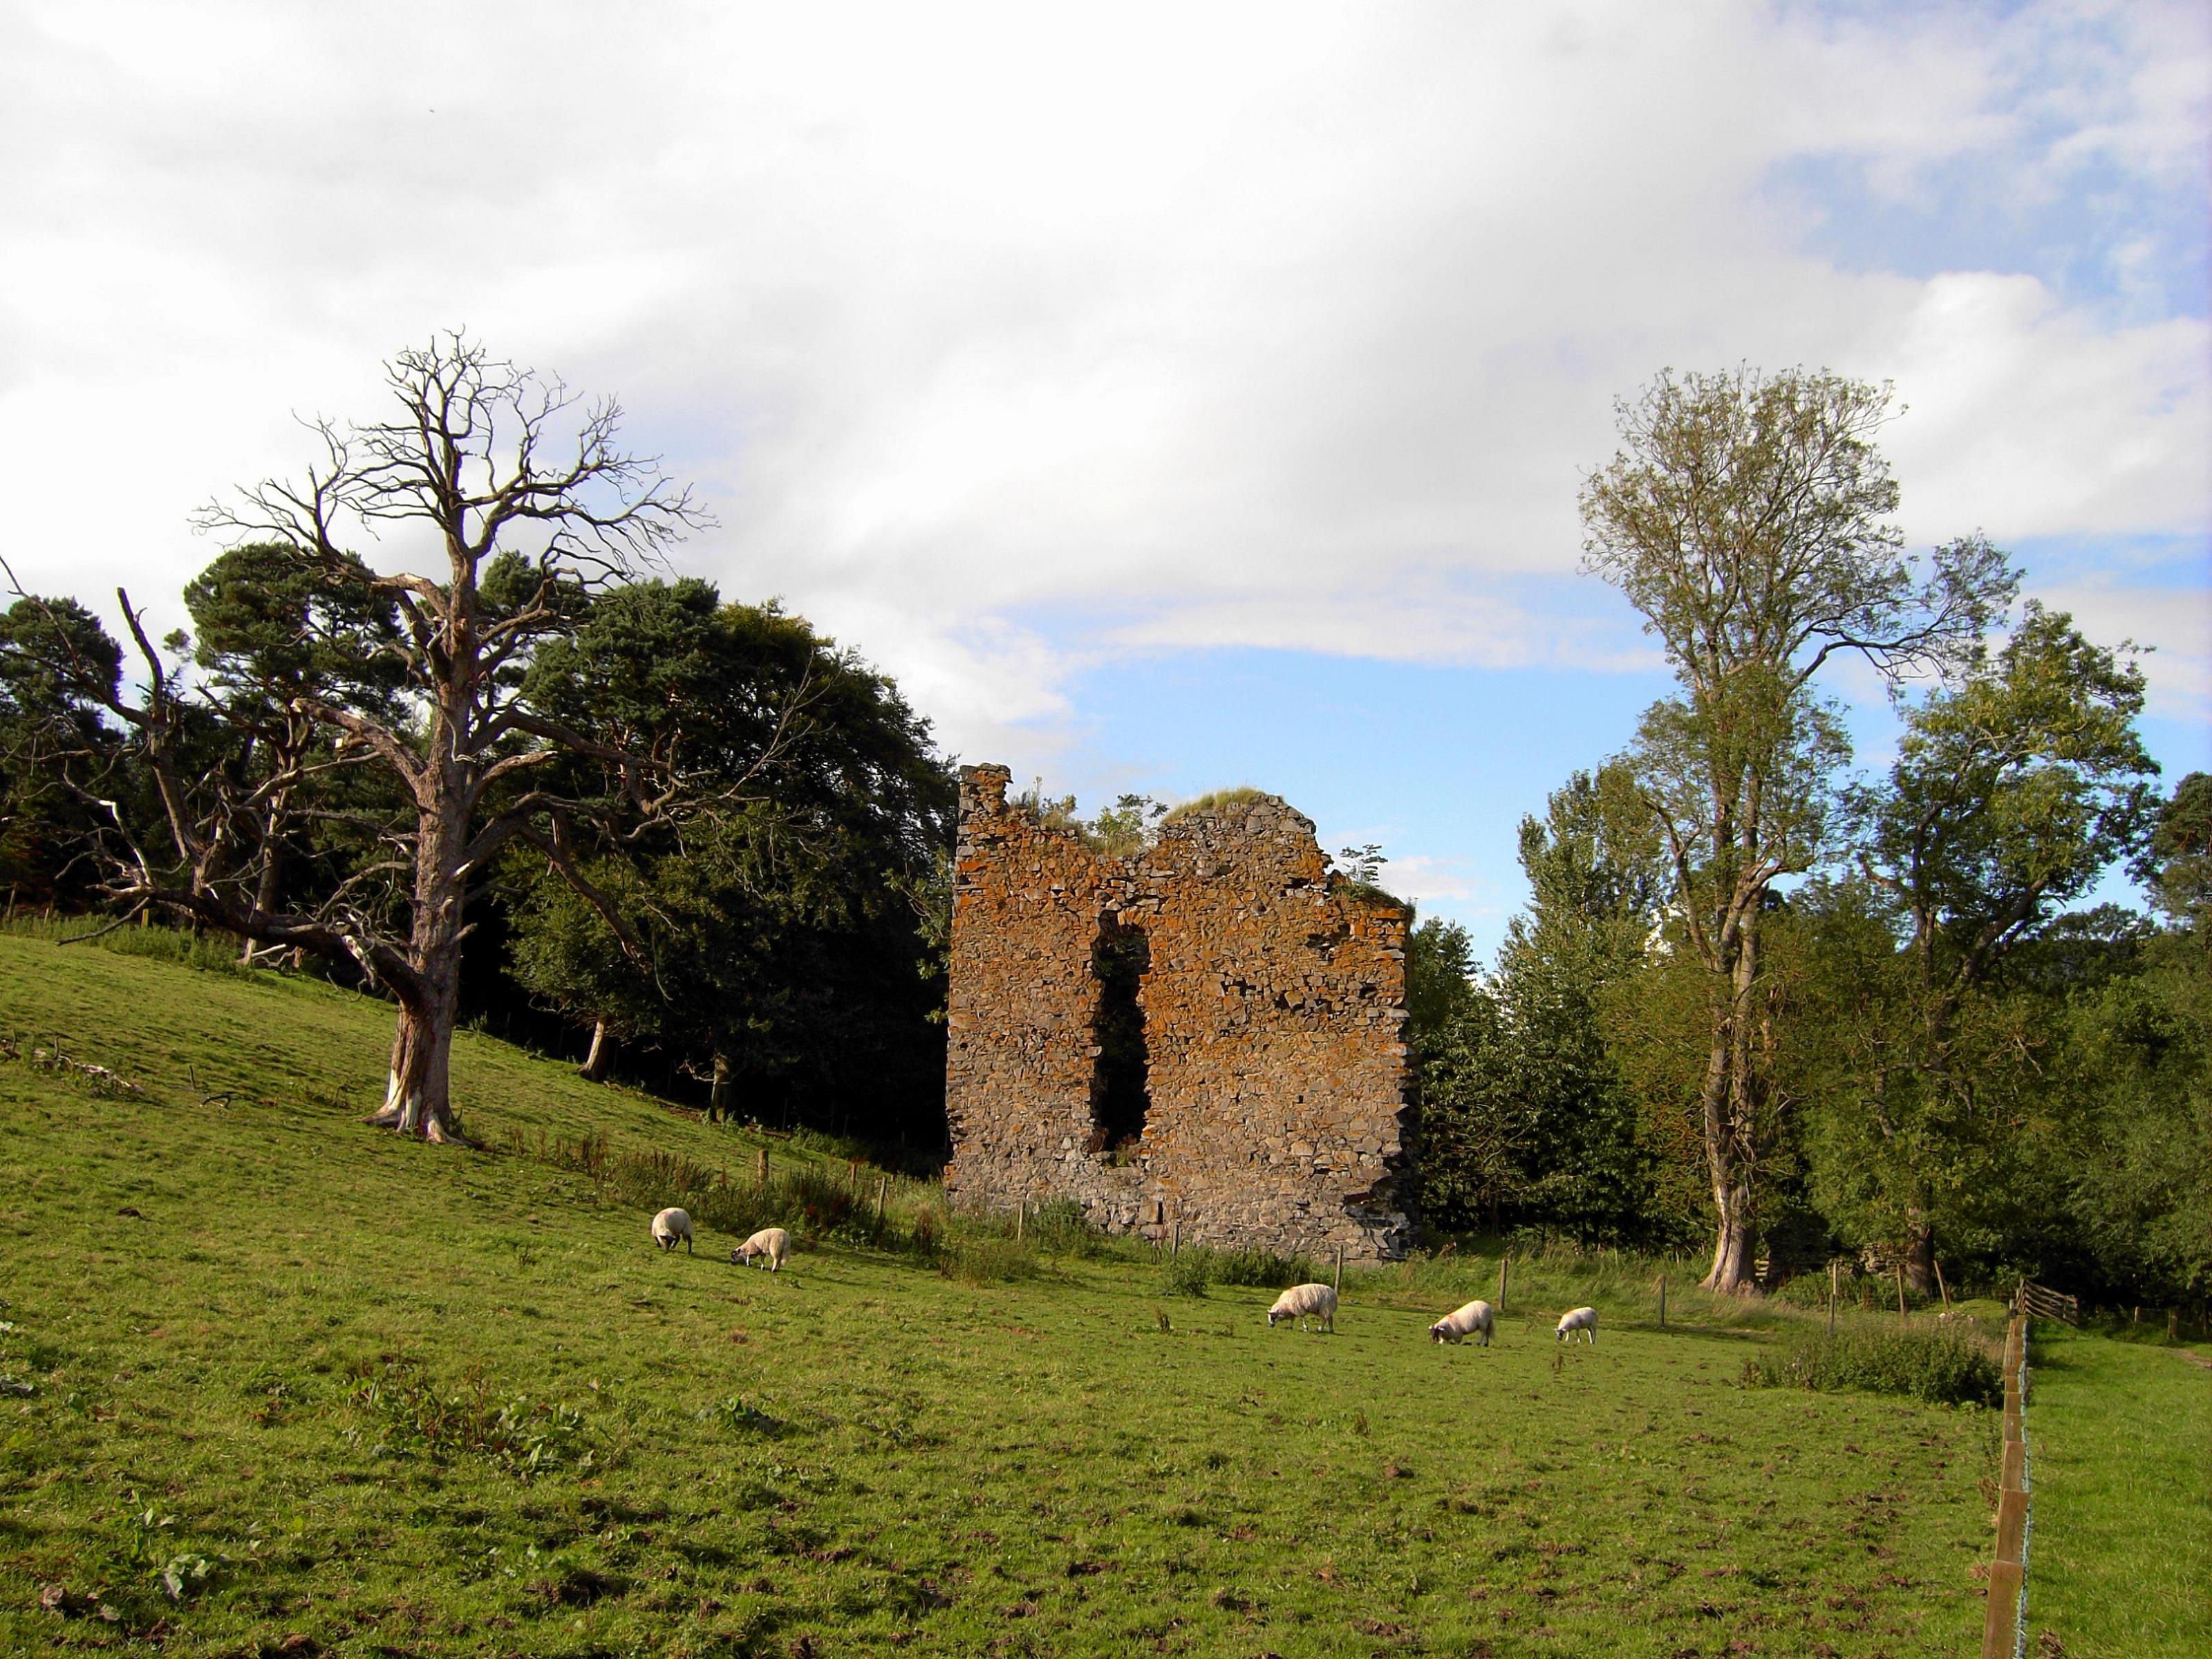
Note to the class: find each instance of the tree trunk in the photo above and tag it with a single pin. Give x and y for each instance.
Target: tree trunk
(1730, 1106)
(265, 890)
(594, 1068)
(1735, 1242)
(1731, 1248)
(418, 1101)
(1919, 1248)
(718, 1096)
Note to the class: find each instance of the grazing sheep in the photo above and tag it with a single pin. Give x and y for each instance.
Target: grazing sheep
(1475, 1319)
(1578, 1319)
(669, 1226)
(773, 1243)
(1305, 1302)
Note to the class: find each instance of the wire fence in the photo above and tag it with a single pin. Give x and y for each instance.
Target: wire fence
(2004, 1629)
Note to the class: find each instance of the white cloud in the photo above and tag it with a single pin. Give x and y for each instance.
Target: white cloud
(1266, 325)
(2027, 419)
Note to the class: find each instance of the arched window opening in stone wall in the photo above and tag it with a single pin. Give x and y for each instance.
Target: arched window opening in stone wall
(1121, 1078)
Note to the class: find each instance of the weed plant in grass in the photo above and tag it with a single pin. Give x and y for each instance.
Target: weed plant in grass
(1941, 1365)
(278, 1383)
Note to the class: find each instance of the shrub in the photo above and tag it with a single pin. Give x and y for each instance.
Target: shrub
(1261, 1271)
(1187, 1273)
(1058, 1228)
(1944, 1366)
(982, 1259)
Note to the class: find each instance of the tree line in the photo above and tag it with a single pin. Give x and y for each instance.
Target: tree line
(1757, 999)
(692, 825)
(1764, 1001)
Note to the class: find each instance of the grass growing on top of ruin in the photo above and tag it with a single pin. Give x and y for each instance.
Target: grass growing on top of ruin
(273, 1382)
(1216, 800)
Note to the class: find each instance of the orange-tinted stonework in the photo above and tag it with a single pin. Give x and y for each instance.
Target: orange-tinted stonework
(1272, 999)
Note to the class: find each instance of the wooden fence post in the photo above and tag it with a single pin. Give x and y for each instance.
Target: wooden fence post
(760, 1174)
(1942, 1289)
(1021, 1218)
(1662, 1302)
(1832, 1298)
(1338, 1287)
(1900, 1290)
(2000, 1621)
(1503, 1262)
(883, 1191)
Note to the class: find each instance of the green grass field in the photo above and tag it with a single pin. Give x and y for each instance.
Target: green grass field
(2121, 1434)
(278, 1384)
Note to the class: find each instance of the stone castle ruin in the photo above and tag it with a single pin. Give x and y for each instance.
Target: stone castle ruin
(1203, 1040)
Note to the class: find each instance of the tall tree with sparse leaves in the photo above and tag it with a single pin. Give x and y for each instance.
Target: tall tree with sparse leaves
(1747, 517)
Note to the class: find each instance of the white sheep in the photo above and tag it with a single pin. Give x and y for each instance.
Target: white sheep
(1475, 1319)
(1578, 1319)
(773, 1243)
(669, 1226)
(1305, 1302)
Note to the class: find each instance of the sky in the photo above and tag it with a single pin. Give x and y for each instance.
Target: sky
(1167, 396)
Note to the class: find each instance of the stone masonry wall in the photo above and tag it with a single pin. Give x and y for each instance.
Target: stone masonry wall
(1274, 1010)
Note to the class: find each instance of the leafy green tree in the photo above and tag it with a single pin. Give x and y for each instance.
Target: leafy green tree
(2139, 1161)
(1746, 516)
(2177, 864)
(1440, 978)
(779, 943)
(50, 734)
(1525, 1117)
(1473, 1138)
(276, 635)
(2013, 790)
(1128, 825)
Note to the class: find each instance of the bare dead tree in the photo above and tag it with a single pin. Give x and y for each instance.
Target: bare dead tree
(532, 504)
(521, 484)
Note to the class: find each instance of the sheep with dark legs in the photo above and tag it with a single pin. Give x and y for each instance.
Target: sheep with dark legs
(669, 1226)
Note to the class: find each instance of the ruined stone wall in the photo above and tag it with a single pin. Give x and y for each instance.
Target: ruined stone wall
(1273, 1008)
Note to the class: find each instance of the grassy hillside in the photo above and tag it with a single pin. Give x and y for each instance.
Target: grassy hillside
(275, 1383)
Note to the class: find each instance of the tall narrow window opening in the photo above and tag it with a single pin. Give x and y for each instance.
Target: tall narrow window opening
(1120, 1084)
